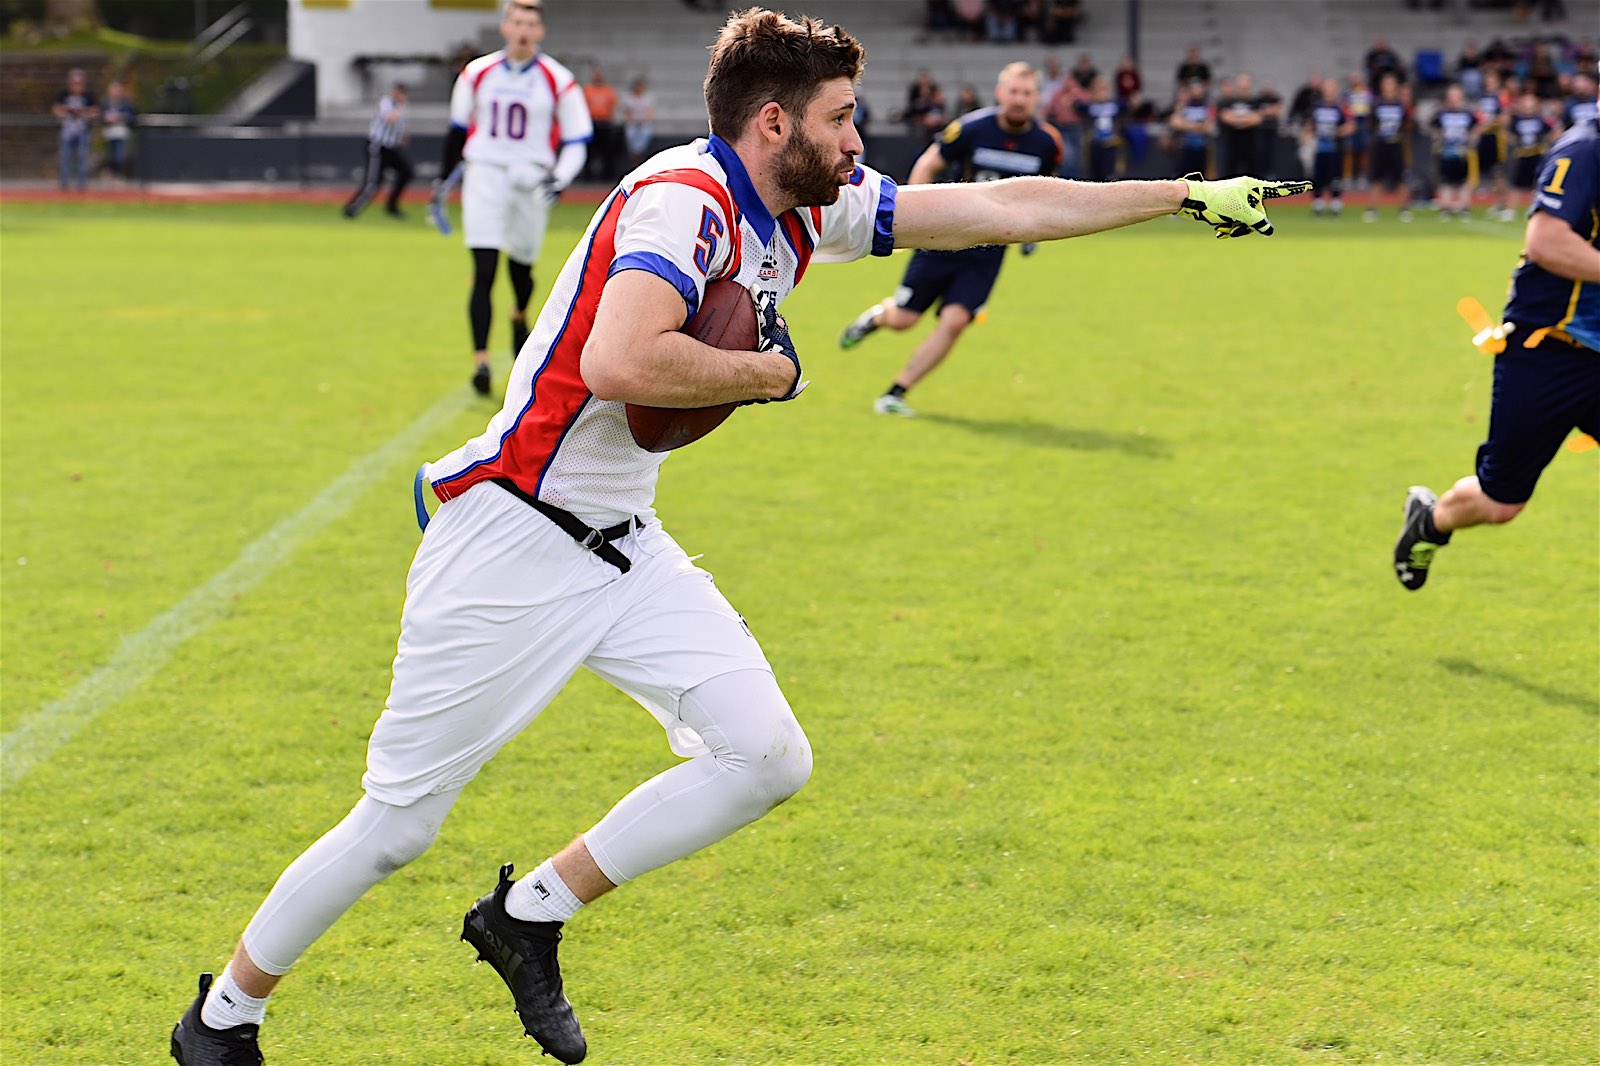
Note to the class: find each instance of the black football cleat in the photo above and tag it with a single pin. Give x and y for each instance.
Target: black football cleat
(524, 955)
(194, 1043)
(480, 379)
(1413, 552)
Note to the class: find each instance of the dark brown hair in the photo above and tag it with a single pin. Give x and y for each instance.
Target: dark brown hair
(763, 56)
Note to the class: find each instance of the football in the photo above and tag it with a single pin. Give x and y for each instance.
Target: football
(726, 319)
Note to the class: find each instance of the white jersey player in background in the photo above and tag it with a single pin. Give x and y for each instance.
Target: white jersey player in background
(520, 129)
(545, 554)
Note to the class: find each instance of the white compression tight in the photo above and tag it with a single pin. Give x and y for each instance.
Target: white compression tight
(759, 757)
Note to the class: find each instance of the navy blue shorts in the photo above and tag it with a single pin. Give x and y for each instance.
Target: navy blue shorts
(964, 278)
(1540, 394)
(1327, 172)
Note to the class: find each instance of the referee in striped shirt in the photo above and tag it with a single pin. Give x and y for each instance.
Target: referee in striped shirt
(386, 151)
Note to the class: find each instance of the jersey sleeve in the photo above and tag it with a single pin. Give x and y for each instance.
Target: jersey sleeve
(678, 232)
(462, 98)
(1569, 183)
(574, 124)
(861, 221)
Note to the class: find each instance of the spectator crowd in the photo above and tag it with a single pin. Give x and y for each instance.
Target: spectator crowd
(1388, 133)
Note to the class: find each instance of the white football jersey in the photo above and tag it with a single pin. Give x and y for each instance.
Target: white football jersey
(688, 215)
(518, 115)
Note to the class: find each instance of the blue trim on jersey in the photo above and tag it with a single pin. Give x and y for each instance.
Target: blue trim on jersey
(458, 126)
(416, 496)
(578, 140)
(883, 227)
(744, 192)
(663, 268)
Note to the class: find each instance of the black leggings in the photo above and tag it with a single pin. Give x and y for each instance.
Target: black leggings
(480, 308)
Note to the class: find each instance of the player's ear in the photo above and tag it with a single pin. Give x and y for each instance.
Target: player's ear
(772, 121)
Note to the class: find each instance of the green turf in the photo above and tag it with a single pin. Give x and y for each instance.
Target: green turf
(1128, 746)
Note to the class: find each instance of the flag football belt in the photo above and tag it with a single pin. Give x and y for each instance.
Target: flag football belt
(589, 538)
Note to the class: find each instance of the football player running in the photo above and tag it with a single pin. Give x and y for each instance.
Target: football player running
(545, 553)
(997, 142)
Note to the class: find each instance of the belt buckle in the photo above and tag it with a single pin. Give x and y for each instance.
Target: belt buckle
(593, 540)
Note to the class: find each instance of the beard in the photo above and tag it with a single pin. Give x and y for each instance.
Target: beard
(806, 173)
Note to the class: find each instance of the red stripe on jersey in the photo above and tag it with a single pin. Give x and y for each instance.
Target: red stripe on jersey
(559, 392)
(555, 105)
(477, 81)
(699, 179)
(800, 240)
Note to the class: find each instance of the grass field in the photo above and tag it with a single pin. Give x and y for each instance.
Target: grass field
(1128, 746)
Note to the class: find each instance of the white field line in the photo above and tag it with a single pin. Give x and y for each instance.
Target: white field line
(41, 733)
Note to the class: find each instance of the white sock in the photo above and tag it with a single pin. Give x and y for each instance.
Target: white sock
(228, 1005)
(542, 897)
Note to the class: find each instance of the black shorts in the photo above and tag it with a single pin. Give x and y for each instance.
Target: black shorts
(964, 278)
(1453, 171)
(1540, 394)
(1388, 164)
(1524, 171)
(1489, 155)
(1103, 160)
(1327, 172)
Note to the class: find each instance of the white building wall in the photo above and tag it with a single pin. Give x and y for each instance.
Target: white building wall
(331, 34)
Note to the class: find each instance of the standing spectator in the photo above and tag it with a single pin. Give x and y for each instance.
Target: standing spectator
(1059, 22)
(1547, 378)
(1391, 135)
(1270, 106)
(1305, 98)
(386, 153)
(920, 101)
(1128, 82)
(1455, 128)
(1061, 111)
(1103, 130)
(1193, 68)
(1529, 133)
(75, 107)
(1004, 141)
(1493, 113)
(968, 17)
(1326, 132)
(600, 96)
(1499, 56)
(1000, 22)
(1049, 80)
(638, 120)
(519, 127)
(1193, 123)
(1084, 72)
(1469, 70)
(1381, 60)
(118, 117)
(967, 101)
(1239, 124)
(1358, 101)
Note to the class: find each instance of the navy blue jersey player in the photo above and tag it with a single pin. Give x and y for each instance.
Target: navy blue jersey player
(1004, 141)
(1547, 380)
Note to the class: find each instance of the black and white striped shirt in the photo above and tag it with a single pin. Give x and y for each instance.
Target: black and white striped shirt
(389, 127)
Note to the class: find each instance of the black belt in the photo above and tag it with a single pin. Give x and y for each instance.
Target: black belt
(589, 538)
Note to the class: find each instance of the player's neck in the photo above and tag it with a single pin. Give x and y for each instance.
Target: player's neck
(521, 59)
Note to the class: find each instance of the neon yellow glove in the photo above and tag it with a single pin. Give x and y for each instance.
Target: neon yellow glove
(1233, 206)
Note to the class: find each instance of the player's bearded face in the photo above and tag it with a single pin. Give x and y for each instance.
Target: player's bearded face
(808, 171)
